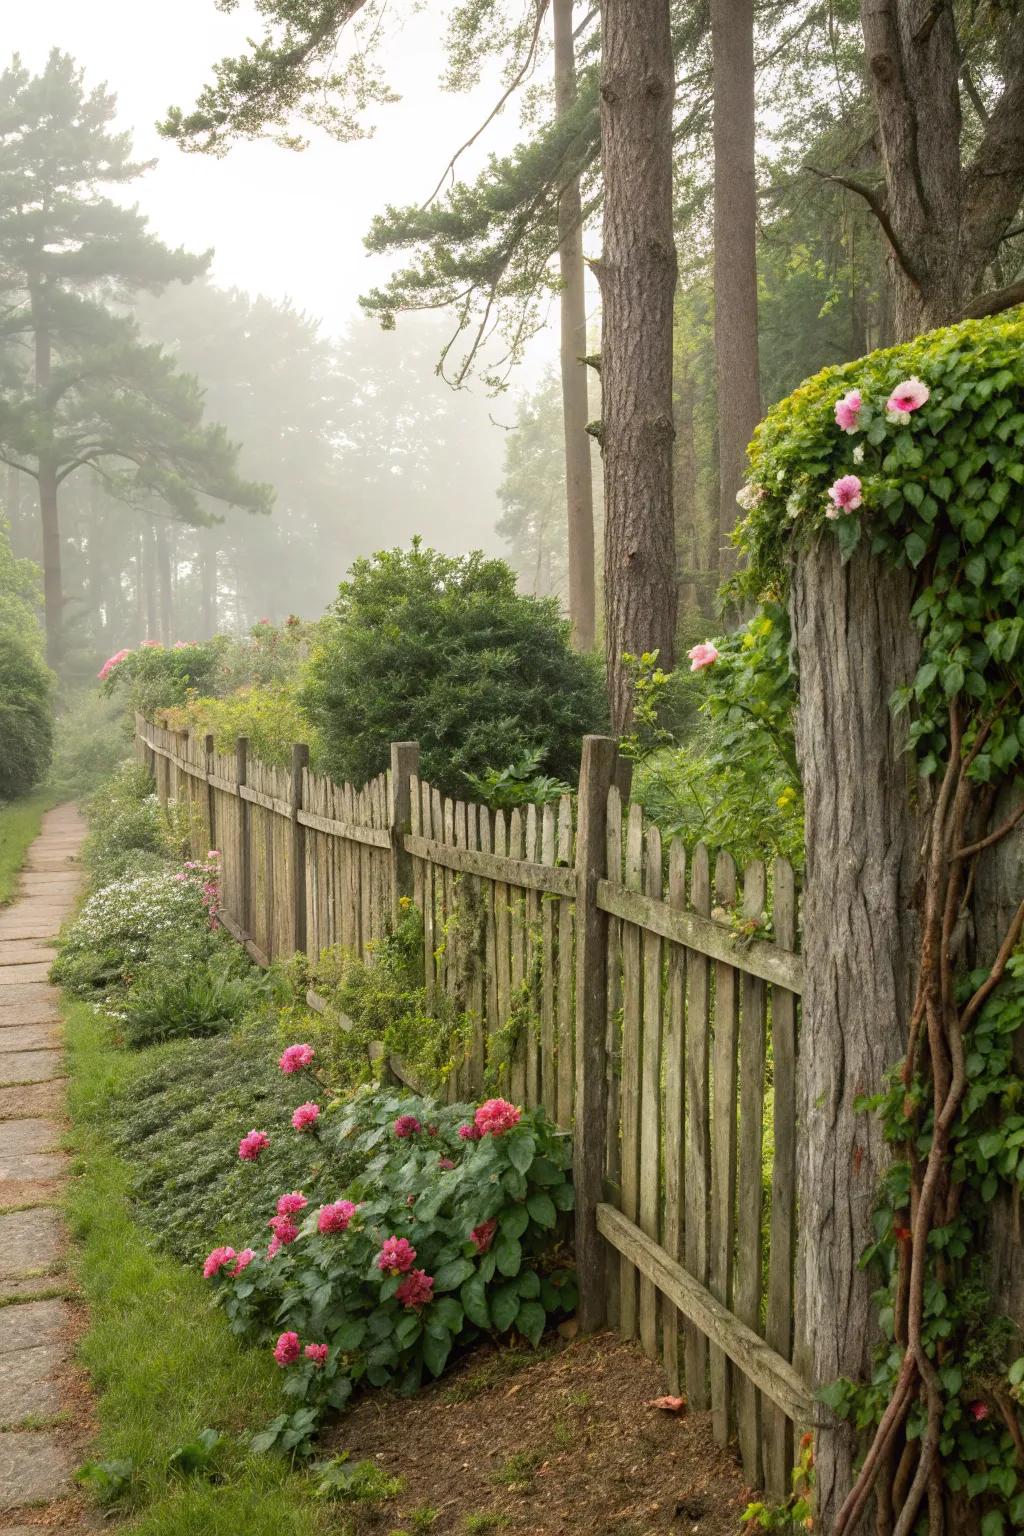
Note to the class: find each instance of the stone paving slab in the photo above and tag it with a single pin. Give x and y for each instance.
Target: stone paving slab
(29, 1241)
(25, 952)
(33, 1467)
(31, 1166)
(26, 1383)
(20, 975)
(29, 1100)
(45, 1011)
(29, 1037)
(26, 991)
(29, 1066)
(19, 1138)
(32, 1323)
(33, 1286)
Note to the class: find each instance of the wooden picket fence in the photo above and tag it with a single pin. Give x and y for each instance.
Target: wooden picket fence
(634, 1005)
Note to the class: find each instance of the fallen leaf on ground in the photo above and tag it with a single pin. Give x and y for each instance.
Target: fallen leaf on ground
(667, 1404)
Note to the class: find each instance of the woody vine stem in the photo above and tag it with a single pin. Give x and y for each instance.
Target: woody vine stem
(903, 1471)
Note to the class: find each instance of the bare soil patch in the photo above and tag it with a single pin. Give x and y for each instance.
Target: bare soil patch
(562, 1445)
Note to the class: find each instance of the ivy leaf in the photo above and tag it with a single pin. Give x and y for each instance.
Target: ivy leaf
(916, 548)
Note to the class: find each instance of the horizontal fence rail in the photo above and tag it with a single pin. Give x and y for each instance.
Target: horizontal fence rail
(642, 997)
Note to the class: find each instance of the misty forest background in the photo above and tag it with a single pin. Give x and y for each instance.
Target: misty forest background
(353, 442)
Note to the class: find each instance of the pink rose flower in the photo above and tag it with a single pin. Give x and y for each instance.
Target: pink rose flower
(336, 1217)
(283, 1228)
(905, 398)
(295, 1058)
(243, 1261)
(703, 655)
(317, 1353)
(216, 1260)
(406, 1125)
(483, 1236)
(417, 1290)
(846, 496)
(286, 1350)
(250, 1147)
(979, 1411)
(290, 1205)
(273, 1247)
(848, 409)
(470, 1132)
(496, 1116)
(305, 1116)
(397, 1255)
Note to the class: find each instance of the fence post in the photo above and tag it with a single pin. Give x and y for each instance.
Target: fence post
(244, 843)
(405, 762)
(597, 775)
(211, 793)
(300, 762)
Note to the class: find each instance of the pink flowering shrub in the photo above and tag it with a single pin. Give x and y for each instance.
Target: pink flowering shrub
(406, 1125)
(306, 1116)
(445, 1237)
(252, 1144)
(295, 1057)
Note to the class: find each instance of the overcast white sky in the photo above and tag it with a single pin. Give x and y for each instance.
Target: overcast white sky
(280, 223)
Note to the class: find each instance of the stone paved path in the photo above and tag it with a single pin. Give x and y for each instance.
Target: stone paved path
(36, 1463)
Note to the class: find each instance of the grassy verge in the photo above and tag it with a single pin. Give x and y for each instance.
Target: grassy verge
(19, 826)
(163, 1364)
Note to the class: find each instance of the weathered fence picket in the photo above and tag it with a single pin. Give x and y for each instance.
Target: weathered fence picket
(602, 976)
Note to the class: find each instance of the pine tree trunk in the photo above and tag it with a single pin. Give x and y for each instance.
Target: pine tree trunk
(579, 492)
(854, 645)
(150, 581)
(637, 274)
(209, 593)
(49, 513)
(163, 557)
(735, 248)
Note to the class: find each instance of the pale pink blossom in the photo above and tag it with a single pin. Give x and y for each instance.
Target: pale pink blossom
(496, 1116)
(216, 1260)
(250, 1147)
(406, 1125)
(110, 663)
(848, 409)
(397, 1255)
(305, 1116)
(845, 495)
(703, 655)
(295, 1057)
(417, 1290)
(290, 1205)
(335, 1217)
(317, 1353)
(243, 1261)
(286, 1350)
(273, 1248)
(905, 398)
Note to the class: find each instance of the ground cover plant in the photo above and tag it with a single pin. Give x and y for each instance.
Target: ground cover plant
(26, 682)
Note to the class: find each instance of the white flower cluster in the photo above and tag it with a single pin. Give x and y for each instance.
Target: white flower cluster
(132, 914)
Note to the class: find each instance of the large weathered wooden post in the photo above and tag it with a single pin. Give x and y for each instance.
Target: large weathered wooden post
(243, 915)
(597, 775)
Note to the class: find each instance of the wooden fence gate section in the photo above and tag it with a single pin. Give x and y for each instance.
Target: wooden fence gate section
(635, 994)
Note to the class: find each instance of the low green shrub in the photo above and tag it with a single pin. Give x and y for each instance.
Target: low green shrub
(270, 715)
(90, 743)
(26, 714)
(126, 820)
(451, 1232)
(136, 920)
(154, 677)
(170, 1002)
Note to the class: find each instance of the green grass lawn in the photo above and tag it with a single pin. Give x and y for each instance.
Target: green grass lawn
(163, 1363)
(20, 821)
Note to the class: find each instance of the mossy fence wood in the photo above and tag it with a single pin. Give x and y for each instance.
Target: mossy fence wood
(609, 976)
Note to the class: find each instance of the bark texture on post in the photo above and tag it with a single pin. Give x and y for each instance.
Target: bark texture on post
(637, 274)
(854, 644)
(735, 248)
(579, 491)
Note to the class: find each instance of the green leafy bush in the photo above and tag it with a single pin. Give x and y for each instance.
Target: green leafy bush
(450, 1233)
(521, 783)
(154, 678)
(89, 745)
(26, 714)
(129, 831)
(270, 715)
(420, 645)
